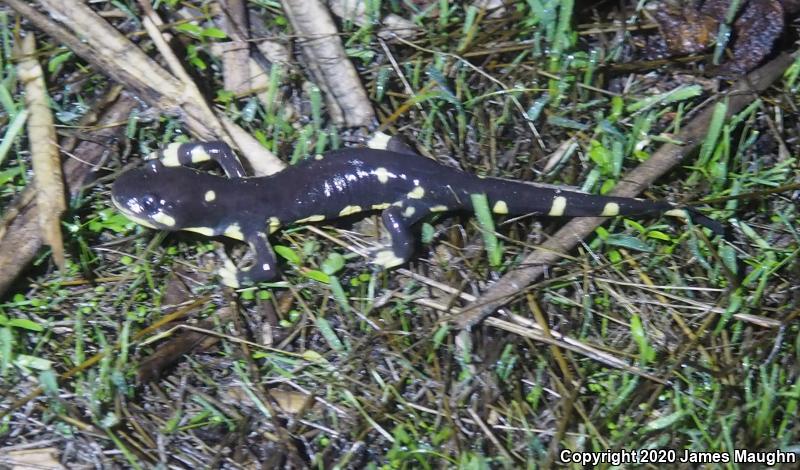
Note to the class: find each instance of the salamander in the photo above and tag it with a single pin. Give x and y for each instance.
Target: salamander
(406, 187)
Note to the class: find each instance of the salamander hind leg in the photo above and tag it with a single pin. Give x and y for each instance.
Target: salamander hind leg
(398, 221)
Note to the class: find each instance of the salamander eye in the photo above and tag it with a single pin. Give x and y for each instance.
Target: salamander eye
(149, 202)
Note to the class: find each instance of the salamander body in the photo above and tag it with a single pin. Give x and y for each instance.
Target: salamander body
(406, 187)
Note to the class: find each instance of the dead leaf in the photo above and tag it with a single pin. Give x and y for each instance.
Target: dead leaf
(287, 400)
(45, 458)
(689, 30)
(180, 343)
(392, 25)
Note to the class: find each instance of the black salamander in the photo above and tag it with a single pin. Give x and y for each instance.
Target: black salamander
(406, 187)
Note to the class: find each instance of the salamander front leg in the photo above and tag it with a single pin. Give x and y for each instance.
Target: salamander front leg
(398, 221)
(264, 267)
(185, 154)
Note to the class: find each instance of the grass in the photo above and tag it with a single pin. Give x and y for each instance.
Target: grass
(338, 366)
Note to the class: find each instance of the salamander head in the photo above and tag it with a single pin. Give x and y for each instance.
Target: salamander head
(160, 197)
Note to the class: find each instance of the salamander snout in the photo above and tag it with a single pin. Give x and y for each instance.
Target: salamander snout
(136, 195)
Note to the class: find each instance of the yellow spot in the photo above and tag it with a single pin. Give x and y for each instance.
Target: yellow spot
(438, 208)
(164, 219)
(382, 174)
(387, 259)
(169, 157)
(417, 193)
(380, 207)
(500, 207)
(349, 210)
(610, 209)
(207, 231)
(274, 224)
(234, 231)
(311, 218)
(379, 141)
(409, 212)
(559, 204)
(319, 156)
(199, 154)
(676, 213)
(210, 196)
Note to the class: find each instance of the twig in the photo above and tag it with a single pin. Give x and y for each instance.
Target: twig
(44, 150)
(333, 72)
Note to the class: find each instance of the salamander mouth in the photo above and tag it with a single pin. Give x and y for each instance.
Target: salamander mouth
(132, 208)
(133, 216)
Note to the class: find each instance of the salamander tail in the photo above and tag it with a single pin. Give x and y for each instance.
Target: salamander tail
(696, 217)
